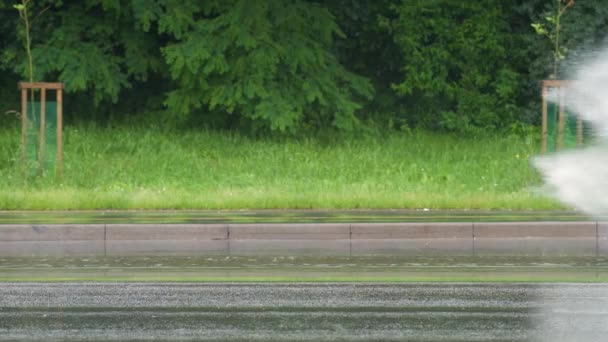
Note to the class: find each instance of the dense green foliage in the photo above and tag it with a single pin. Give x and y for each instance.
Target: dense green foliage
(298, 65)
(457, 68)
(277, 69)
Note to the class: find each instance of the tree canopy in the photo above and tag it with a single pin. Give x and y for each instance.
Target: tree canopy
(289, 65)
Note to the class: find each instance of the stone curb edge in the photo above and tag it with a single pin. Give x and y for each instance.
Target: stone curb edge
(582, 238)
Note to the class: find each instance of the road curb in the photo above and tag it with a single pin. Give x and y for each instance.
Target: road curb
(582, 238)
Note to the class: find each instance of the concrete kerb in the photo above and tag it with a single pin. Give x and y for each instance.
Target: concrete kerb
(536, 238)
(287, 239)
(52, 240)
(584, 238)
(412, 238)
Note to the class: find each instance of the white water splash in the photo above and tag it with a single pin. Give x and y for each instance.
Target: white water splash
(580, 177)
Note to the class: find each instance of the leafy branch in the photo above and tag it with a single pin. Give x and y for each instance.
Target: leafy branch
(552, 31)
(24, 14)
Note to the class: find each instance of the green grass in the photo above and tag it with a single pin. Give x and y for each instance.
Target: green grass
(138, 168)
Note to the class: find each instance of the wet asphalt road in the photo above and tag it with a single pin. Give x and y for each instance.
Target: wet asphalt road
(303, 312)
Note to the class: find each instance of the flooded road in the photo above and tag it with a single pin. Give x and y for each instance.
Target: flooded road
(302, 312)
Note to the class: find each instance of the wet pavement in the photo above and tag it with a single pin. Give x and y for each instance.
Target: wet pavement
(162, 262)
(303, 312)
(286, 216)
(306, 268)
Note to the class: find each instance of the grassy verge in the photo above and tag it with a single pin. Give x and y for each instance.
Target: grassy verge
(137, 168)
